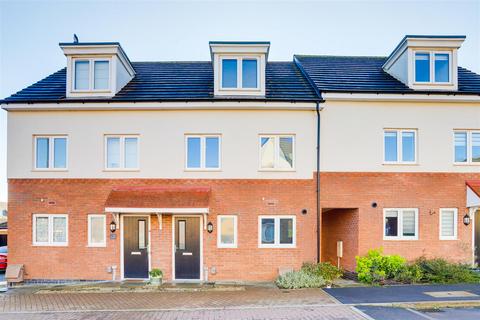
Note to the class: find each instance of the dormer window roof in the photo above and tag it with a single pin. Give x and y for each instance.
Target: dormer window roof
(239, 67)
(96, 69)
(425, 62)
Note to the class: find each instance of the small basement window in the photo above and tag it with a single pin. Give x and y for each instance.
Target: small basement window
(91, 75)
(432, 67)
(239, 73)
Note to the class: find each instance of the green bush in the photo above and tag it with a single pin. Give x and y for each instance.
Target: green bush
(411, 273)
(156, 273)
(300, 279)
(376, 267)
(324, 269)
(441, 271)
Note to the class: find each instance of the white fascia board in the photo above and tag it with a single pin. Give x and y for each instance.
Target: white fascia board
(157, 210)
(340, 96)
(245, 48)
(206, 105)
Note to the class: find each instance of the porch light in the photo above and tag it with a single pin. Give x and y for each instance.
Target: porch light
(210, 227)
(466, 219)
(113, 226)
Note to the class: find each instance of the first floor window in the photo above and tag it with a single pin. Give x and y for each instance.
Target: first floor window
(50, 229)
(467, 147)
(400, 224)
(448, 223)
(277, 231)
(50, 152)
(121, 152)
(400, 146)
(96, 230)
(277, 152)
(227, 231)
(203, 152)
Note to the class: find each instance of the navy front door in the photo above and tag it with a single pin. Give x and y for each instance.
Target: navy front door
(135, 247)
(187, 248)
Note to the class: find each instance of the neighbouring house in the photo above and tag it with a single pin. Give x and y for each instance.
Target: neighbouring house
(239, 167)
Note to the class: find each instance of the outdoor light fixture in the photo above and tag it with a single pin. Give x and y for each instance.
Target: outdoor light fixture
(113, 226)
(466, 219)
(210, 227)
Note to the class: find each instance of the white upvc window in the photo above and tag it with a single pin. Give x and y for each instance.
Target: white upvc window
(97, 233)
(448, 223)
(122, 152)
(432, 67)
(277, 231)
(203, 152)
(50, 152)
(400, 146)
(277, 152)
(91, 75)
(50, 230)
(239, 73)
(400, 224)
(226, 231)
(466, 147)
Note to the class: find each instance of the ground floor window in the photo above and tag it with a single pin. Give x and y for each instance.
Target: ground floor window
(276, 232)
(50, 229)
(96, 230)
(227, 231)
(448, 223)
(400, 224)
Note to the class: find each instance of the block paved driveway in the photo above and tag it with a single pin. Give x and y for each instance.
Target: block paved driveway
(252, 303)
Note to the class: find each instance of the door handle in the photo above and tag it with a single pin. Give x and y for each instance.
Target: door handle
(136, 253)
(186, 253)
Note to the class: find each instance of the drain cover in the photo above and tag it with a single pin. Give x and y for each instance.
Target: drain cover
(450, 294)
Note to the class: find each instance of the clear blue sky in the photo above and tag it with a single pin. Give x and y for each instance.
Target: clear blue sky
(155, 30)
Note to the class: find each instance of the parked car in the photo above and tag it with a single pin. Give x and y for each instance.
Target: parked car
(3, 257)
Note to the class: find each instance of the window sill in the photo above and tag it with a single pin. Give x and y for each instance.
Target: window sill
(49, 170)
(400, 239)
(448, 239)
(202, 170)
(121, 170)
(466, 164)
(226, 247)
(277, 246)
(49, 245)
(400, 163)
(276, 170)
(96, 246)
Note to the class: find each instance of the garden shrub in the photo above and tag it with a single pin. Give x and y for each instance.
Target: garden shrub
(411, 273)
(300, 279)
(376, 267)
(326, 270)
(441, 271)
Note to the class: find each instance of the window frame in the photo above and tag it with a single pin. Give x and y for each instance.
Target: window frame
(89, 231)
(469, 147)
(235, 232)
(400, 147)
(50, 242)
(203, 151)
(122, 152)
(455, 224)
(277, 153)
(91, 75)
(239, 72)
(51, 152)
(276, 242)
(431, 54)
(400, 236)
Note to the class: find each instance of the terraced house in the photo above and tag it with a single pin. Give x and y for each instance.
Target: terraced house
(240, 168)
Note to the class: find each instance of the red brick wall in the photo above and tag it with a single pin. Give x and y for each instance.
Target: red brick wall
(78, 197)
(426, 191)
(340, 225)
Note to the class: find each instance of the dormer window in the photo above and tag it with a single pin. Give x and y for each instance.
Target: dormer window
(96, 69)
(426, 63)
(239, 68)
(432, 67)
(91, 75)
(239, 73)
